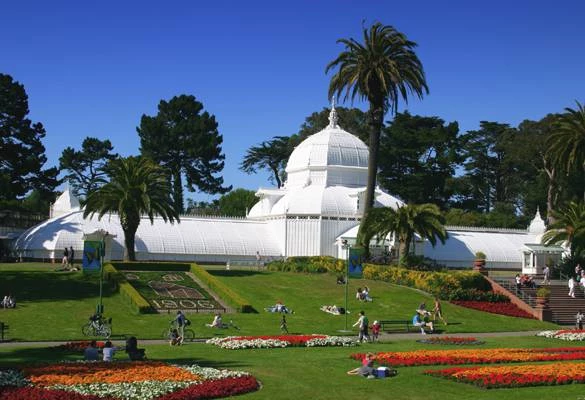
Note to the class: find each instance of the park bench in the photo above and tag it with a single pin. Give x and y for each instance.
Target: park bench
(3, 330)
(386, 324)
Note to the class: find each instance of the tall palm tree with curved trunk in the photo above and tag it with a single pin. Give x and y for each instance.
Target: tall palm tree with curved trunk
(407, 221)
(137, 187)
(382, 70)
(567, 143)
(569, 227)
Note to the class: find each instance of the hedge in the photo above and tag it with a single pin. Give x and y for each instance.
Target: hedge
(222, 290)
(150, 266)
(440, 284)
(139, 303)
(317, 264)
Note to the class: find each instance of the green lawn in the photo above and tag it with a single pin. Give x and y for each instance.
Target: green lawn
(319, 373)
(54, 305)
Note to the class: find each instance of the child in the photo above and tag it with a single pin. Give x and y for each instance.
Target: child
(283, 327)
(375, 331)
(176, 340)
(579, 320)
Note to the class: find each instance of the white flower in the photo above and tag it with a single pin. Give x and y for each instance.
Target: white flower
(12, 377)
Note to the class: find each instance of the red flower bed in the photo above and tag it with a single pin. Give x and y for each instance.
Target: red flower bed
(495, 308)
(33, 393)
(214, 389)
(78, 346)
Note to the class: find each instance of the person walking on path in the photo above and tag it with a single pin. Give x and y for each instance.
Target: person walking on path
(180, 318)
(283, 326)
(572, 287)
(362, 323)
(71, 256)
(546, 272)
(65, 260)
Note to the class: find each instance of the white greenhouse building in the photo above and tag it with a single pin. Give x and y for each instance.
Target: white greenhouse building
(319, 205)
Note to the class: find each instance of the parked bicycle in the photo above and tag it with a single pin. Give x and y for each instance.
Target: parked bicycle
(188, 334)
(98, 326)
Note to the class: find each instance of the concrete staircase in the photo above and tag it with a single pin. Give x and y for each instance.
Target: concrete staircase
(563, 307)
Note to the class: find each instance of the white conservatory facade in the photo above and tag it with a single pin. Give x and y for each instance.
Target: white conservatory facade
(319, 205)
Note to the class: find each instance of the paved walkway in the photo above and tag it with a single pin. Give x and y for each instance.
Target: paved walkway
(384, 337)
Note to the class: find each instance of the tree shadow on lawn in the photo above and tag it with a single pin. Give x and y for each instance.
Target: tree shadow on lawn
(237, 273)
(51, 286)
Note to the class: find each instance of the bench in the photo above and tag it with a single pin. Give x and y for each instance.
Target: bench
(3, 330)
(394, 322)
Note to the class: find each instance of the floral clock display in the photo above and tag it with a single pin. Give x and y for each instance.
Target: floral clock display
(122, 381)
(451, 340)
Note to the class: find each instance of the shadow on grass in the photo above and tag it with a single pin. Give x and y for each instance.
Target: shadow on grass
(234, 272)
(51, 286)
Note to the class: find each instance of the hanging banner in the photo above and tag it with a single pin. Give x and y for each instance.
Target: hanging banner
(92, 251)
(355, 262)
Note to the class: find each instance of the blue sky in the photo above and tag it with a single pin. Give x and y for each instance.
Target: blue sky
(94, 69)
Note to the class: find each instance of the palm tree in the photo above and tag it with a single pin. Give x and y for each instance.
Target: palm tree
(567, 143)
(407, 221)
(569, 227)
(137, 187)
(382, 70)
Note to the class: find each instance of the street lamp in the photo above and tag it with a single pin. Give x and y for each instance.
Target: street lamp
(345, 246)
(100, 308)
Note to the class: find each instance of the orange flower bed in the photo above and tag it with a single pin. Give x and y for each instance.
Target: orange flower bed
(78, 373)
(475, 356)
(516, 376)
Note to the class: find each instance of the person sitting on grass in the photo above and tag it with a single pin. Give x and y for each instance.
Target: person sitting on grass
(217, 322)
(417, 320)
(134, 353)
(91, 352)
(175, 339)
(367, 368)
(108, 351)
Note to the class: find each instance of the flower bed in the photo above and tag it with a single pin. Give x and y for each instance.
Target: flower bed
(515, 376)
(450, 340)
(571, 335)
(270, 342)
(122, 380)
(77, 346)
(509, 309)
(475, 356)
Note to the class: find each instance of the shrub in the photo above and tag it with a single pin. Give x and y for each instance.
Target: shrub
(317, 264)
(543, 292)
(222, 290)
(437, 283)
(477, 295)
(421, 263)
(480, 255)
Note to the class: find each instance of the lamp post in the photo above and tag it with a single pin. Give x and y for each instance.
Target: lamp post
(345, 246)
(100, 307)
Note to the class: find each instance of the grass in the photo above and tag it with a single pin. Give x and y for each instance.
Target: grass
(54, 305)
(319, 373)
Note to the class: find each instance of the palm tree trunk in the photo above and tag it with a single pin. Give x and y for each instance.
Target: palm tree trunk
(375, 122)
(129, 253)
(550, 194)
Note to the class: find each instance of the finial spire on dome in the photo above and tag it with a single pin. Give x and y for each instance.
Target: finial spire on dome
(333, 115)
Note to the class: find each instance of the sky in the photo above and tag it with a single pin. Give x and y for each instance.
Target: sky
(93, 69)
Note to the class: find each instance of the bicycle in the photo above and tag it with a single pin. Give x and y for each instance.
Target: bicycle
(97, 326)
(188, 334)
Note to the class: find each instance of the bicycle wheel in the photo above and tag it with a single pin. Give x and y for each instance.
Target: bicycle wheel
(188, 335)
(105, 331)
(87, 330)
(166, 334)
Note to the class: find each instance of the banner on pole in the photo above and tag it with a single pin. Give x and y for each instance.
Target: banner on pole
(92, 252)
(355, 262)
